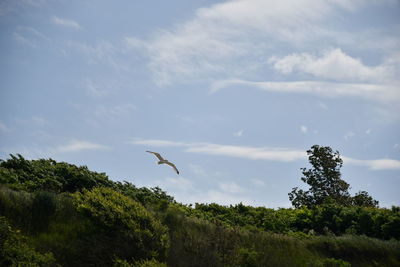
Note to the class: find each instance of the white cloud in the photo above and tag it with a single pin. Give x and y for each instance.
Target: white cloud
(253, 153)
(378, 164)
(368, 131)
(375, 92)
(218, 37)
(262, 153)
(354, 79)
(35, 150)
(303, 129)
(332, 64)
(77, 146)
(65, 22)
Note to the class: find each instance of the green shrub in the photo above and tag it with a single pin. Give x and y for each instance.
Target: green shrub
(15, 251)
(130, 231)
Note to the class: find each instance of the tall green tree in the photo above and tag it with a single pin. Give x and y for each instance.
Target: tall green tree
(324, 179)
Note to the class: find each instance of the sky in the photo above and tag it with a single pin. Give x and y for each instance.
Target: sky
(233, 92)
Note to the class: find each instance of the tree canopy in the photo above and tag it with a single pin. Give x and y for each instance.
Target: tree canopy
(326, 183)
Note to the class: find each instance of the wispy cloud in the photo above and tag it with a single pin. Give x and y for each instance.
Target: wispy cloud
(247, 152)
(66, 22)
(77, 146)
(303, 129)
(331, 64)
(217, 37)
(40, 151)
(29, 36)
(375, 92)
(378, 164)
(353, 78)
(262, 153)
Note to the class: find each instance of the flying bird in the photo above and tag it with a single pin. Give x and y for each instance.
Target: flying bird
(161, 160)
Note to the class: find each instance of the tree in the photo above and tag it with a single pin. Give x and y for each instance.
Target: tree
(363, 199)
(324, 179)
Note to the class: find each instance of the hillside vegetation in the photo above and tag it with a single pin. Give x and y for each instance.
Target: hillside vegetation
(58, 214)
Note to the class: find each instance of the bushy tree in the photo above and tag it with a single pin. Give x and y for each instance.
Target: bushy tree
(324, 179)
(326, 184)
(129, 230)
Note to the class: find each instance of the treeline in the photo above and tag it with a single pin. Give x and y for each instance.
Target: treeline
(326, 219)
(58, 214)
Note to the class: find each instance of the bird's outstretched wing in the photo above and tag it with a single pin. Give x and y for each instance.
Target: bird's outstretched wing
(156, 154)
(173, 166)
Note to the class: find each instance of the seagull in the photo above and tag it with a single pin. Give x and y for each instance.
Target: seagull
(163, 161)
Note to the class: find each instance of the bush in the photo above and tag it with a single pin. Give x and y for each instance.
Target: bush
(130, 230)
(14, 250)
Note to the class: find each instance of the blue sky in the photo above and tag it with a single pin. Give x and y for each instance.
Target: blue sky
(232, 92)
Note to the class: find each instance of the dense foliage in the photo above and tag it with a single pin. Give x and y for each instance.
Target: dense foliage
(48, 175)
(326, 184)
(55, 213)
(323, 219)
(15, 251)
(135, 233)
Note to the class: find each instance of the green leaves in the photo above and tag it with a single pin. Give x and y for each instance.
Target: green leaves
(48, 175)
(15, 251)
(326, 184)
(110, 211)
